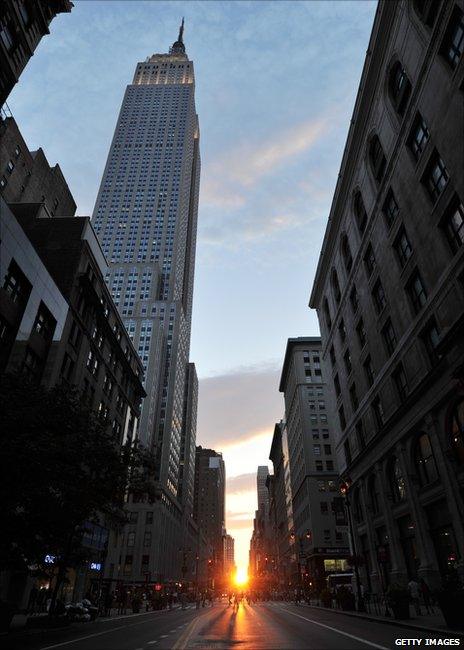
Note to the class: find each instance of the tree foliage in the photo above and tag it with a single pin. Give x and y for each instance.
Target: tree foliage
(60, 466)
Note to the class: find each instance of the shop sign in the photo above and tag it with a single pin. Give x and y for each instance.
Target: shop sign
(95, 566)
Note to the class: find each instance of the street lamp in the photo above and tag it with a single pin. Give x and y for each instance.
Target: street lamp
(344, 487)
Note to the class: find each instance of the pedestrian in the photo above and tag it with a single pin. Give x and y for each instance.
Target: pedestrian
(426, 595)
(183, 600)
(413, 588)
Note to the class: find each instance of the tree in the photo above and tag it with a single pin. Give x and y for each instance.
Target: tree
(60, 466)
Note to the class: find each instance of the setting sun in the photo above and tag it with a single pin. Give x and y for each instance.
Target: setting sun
(241, 578)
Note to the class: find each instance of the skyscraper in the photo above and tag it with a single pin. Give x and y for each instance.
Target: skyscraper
(146, 218)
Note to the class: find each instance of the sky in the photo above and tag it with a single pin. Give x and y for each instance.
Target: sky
(275, 89)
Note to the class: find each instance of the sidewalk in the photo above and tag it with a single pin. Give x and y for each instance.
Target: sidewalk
(426, 622)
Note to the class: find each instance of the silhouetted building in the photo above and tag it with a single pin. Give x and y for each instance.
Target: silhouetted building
(23, 23)
(389, 293)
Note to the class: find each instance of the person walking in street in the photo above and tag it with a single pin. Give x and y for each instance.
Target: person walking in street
(413, 588)
(183, 600)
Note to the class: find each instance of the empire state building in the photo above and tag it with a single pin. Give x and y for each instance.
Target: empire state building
(146, 219)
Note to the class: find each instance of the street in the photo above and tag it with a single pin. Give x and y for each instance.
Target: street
(262, 626)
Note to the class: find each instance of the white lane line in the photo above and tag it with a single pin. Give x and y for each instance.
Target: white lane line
(152, 642)
(334, 629)
(163, 636)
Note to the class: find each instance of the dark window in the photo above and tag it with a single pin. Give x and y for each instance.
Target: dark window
(133, 516)
(74, 335)
(426, 10)
(3, 182)
(368, 371)
(397, 482)
(436, 177)
(67, 367)
(360, 435)
(399, 87)
(328, 318)
(44, 323)
(329, 465)
(346, 253)
(390, 208)
(357, 508)
(337, 385)
(335, 286)
(416, 292)
(401, 382)
(347, 450)
(389, 337)
(31, 365)
(424, 461)
(369, 260)
(149, 517)
(354, 300)
(402, 247)
(361, 332)
(328, 450)
(453, 42)
(378, 295)
(341, 415)
(453, 224)
(347, 360)
(6, 38)
(418, 137)
(354, 397)
(359, 211)
(332, 355)
(16, 284)
(377, 409)
(342, 330)
(324, 508)
(377, 158)
(431, 337)
(373, 491)
(319, 466)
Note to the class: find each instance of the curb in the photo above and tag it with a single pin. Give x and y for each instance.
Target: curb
(386, 621)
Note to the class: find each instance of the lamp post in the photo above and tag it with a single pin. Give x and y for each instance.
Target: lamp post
(344, 487)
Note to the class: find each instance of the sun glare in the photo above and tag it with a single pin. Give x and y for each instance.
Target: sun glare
(241, 578)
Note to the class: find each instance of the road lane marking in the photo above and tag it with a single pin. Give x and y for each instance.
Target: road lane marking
(334, 629)
(151, 642)
(163, 636)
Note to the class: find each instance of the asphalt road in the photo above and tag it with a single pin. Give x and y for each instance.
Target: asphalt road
(263, 626)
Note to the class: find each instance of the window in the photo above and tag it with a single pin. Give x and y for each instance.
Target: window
(399, 87)
(402, 247)
(360, 435)
(324, 508)
(323, 419)
(147, 538)
(31, 365)
(431, 338)
(401, 382)
(453, 224)
(67, 367)
(342, 330)
(332, 355)
(328, 450)
(329, 465)
(346, 253)
(317, 450)
(377, 158)
(416, 292)
(335, 286)
(130, 539)
(341, 416)
(389, 337)
(337, 385)
(418, 137)
(6, 38)
(390, 208)
(74, 335)
(361, 332)
(436, 177)
(347, 450)
(373, 492)
(92, 363)
(426, 10)
(44, 323)
(10, 166)
(3, 182)
(327, 314)
(424, 461)
(128, 565)
(354, 300)
(359, 211)
(133, 516)
(377, 409)
(378, 295)
(319, 466)
(347, 361)
(368, 371)
(397, 482)
(354, 397)
(369, 260)
(453, 42)
(16, 284)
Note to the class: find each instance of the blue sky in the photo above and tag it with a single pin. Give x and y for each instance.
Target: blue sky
(275, 89)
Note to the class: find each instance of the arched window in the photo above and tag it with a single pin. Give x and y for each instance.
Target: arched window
(377, 158)
(327, 315)
(335, 286)
(359, 211)
(424, 461)
(374, 499)
(397, 483)
(457, 430)
(399, 87)
(346, 253)
(357, 507)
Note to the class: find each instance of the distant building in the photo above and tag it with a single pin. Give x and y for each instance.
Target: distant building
(319, 537)
(26, 176)
(228, 555)
(389, 293)
(22, 26)
(209, 500)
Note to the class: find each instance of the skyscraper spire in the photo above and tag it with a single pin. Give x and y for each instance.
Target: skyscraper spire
(179, 46)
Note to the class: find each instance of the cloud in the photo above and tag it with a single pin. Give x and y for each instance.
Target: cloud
(241, 483)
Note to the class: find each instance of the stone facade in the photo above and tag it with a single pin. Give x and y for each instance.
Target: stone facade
(389, 293)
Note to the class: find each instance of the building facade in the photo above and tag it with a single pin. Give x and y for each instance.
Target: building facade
(22, 26)
(146, 219)
(319, 537)
(389, 293)
(228, 556)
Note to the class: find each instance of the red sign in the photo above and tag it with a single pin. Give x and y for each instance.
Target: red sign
(158, 587)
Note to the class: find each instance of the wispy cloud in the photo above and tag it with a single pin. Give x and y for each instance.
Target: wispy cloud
(241, 483)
